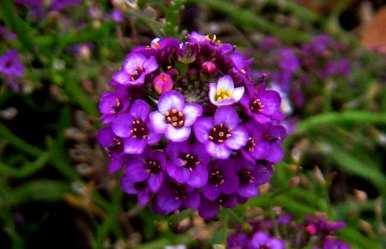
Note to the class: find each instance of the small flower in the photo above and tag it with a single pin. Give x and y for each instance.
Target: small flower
(134, 128)
(135, 69)
(221, 134)
(174, 195)
(263, 105)
(10, 64)
(221, 180)
(188, 163)
(110, 105)
(174, 117)
(162, 83)
(262, 240)
(117, 16)
(224, 93)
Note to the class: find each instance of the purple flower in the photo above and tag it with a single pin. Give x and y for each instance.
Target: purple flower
(335, 244)
(288, 60)
(173, 196)
(134, 70)
(222, 179)
(262, 240)
(113, 145)
(263, 105)
(240, 63)
(174, 117)
(110, 104)
(10, 64)
(237, 241)
(221, 134)
(134, 128)
(224, 93)
(188, 163)
(60, 5)
(117, 16)
(251, 176)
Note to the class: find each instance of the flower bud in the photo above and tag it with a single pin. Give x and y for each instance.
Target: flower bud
(162, 83)
(209, 67)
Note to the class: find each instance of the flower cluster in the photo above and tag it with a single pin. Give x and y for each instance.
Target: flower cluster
(189, 127)
(316, 232)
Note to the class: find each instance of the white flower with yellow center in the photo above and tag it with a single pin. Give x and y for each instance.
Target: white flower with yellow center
(224, 92)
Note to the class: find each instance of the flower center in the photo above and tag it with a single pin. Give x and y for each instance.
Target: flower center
(179, 191)
(222, 94)
(117, 105)
(153, 166)
(139, 186)
(264, 247)
(175, 118)
(139, 129)
(219, 133)
(245, 176)
(221, 200)
(216, 177)
(137, 72)
(256, 106)
(115, 146)
(271, 138)
(251, 144)
(190, 161)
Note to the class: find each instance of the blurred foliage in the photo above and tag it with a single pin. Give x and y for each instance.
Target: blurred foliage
(335, 159)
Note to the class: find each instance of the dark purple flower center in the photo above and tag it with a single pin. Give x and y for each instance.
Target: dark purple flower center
(245, 176)
(190, 161)
(137, 72)
(250, 145)
(139, 129)
(115, 146)
(264, 247)
(270, 138)
(175, 118)
(117, 105)
(256, 106)
(221, 200)
(8, 63)
(139, 186)
(216, 177)
(219, 133)
(153, 166)
(179, 191)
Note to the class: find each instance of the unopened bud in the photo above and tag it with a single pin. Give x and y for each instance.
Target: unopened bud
(162, 83)
(209, 67)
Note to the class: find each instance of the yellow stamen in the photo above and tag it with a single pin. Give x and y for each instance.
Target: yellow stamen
(222, 94)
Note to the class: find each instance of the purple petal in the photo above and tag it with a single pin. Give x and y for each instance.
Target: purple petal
(134, 145)
(121, 125)
(155, 182)
(150, 65)
(136, 171)
(153, 137)
(191, 112)
(276, 153)
(238, 139)
(271, 101)
(248, 191)
(115, 163)
(259, 238)
(211, 192)
(166, 202)
(140, 109)
(208, 210)
(127, 185)
(226, 115)
(193, 200)
(179, 174)
(143, 198)
(201, 129)
(132, 62)
(177, 134)
(220, 151)
(198, 177)
(170, 100)
(105, 137)
(158, 122)
(121, 77)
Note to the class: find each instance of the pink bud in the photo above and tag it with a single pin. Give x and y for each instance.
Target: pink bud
(209, 67)
(162, 83)
(311, 229)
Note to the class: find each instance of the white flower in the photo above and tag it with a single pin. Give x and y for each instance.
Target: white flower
(224, 92)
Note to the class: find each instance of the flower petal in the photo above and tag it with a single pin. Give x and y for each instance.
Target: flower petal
(201, 129)
(192, 112)
(211, 192)
(134, 145)
(150, 65)
(238, 139)
(238, 93)
(140, 109)
(198, 177)
(212, 93)
(225, 83)
(169, 100)
(218, 150)
(193, 200)
(136, 171)
(155, 182)
(143, 198)
(226, 115)
(122, 125)
(177, 134)
(132, 62)
(166, 202)
(179, 174)
(157, 121)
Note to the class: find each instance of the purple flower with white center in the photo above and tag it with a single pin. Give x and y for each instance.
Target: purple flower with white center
(174, 195)
(110, 104)
(188, 163)
(174, 117)
(263, 105)
(10, 64)
(221, 134)
(134, 69)
(262, 240)
(222, 179)
(251, 176)
(224, 92)
(134, 128)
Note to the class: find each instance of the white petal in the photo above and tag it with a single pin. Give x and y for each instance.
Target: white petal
(238, 139)
(192, 112)
(225, 83)
(212, 93)
(158, 122)
(218, 150)
(238, 93)
(169, 100)
(177, 135)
